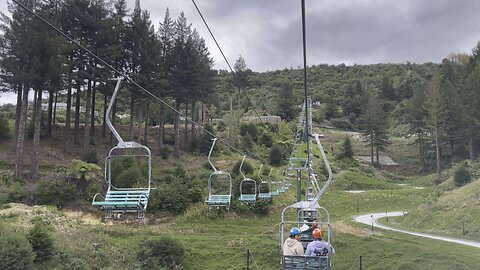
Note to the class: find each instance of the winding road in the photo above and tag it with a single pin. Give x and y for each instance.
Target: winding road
(370, 219)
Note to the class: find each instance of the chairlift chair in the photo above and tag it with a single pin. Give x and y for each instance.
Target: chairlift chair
(273, 189)
(218, 194)
(264, 187)
(303, 262)
(247, 196)
(124, 199)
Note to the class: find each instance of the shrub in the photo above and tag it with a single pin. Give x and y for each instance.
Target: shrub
(247, 141)
(42, 242)
(54, 192)
(68, 262)
(221, 126)
(15, 251)
(4, 128)
(276, 155)
(266, 139)
(91, 157)
(462, 176)
(343, 124)
(165, 152)
(249, 128)
(346, 151)
(159, 253)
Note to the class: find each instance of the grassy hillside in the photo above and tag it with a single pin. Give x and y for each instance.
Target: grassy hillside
(219, 240)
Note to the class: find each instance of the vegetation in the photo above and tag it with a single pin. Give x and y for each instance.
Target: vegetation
(424, 116)
(15, 251)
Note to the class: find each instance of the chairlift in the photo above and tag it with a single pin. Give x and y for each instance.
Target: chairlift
(264, 187)
(219, 186)
(248, 187)
(304, 262)
(124, 199)
(273, 189)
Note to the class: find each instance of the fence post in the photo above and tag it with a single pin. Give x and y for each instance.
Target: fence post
(248, 259)
(361, 262)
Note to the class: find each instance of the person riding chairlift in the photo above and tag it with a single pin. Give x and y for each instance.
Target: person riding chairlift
(292, 245)
(319, 247)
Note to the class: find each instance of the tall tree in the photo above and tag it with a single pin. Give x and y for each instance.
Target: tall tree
(374, 125)
(435, 107)
(240, 77)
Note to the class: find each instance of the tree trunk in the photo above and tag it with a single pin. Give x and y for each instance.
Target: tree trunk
(176, 127)
(161, 127)
(36, 136)
(50, 114)
(371, 148)
(68, 114)
(76, 135)
(437, 150)
(21, 134)
(86, 130)
(185, 133)
(104, 124)
(193, 119)
(92, 113)
(470, 148)
(132, 111)
(18, 111)
(140, 118)
(55, 108)
(145, 133)
(378, 156)
(421, 151)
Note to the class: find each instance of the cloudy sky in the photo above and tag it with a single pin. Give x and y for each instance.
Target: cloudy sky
(267, 33)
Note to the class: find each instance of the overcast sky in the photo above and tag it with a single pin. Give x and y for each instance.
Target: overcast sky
(267, 33)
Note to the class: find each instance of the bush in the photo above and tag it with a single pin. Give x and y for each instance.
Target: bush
(160, 253)
(4, 128)
(249, 128)
(91, 157)
(42, 242)
(346, 151)
(462, 176)
(221, 126)
(15, 251)
(54, 193)
(276, 155)
(165, 152)
(343, 124)
(68, 262)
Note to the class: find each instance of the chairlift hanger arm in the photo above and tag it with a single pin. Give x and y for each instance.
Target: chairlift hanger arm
(241, 166)
(210, 154)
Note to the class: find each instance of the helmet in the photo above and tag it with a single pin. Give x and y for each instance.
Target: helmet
(294, 231)
(317, 233)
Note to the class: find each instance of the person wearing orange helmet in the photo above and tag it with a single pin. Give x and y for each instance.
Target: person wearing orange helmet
(292, 245)
(319, 247)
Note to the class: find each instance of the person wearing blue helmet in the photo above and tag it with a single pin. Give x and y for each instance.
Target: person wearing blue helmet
(292, 245)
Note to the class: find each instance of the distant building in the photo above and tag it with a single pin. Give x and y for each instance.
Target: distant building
(60, 106)
(273, 119)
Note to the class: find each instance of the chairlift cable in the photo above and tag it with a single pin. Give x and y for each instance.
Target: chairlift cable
(220, 49)
(122, 74)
